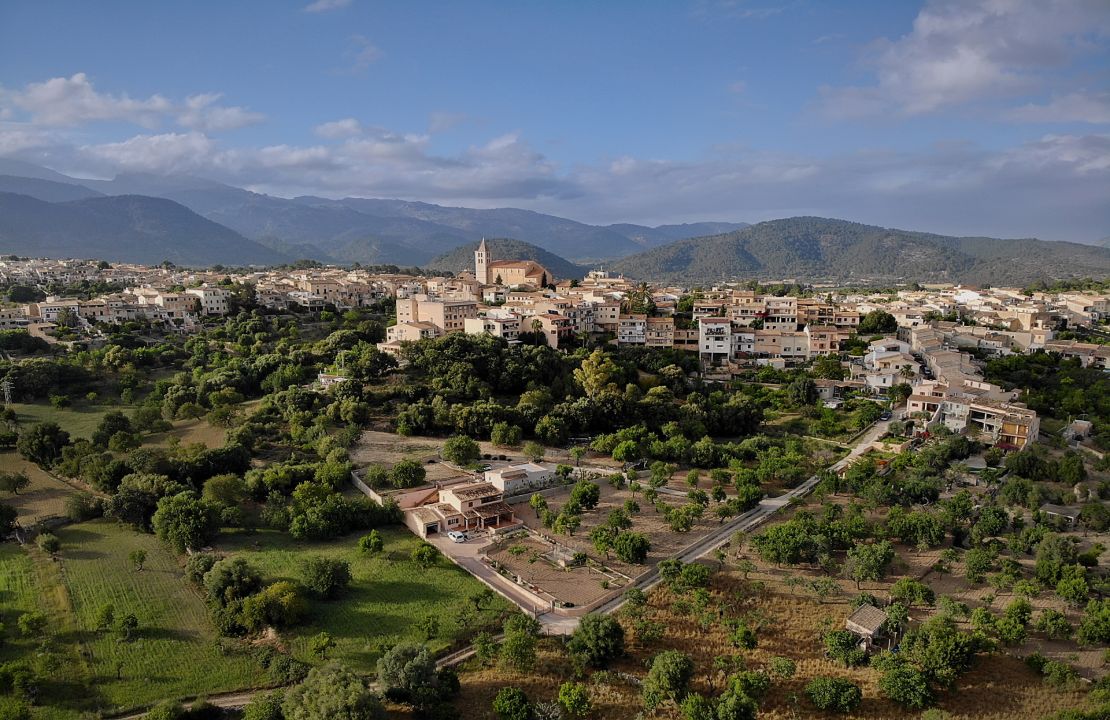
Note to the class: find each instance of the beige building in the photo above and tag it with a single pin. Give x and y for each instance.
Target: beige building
(447, 315)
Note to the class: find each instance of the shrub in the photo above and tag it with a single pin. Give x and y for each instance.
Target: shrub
(512, 704)
(598, 639)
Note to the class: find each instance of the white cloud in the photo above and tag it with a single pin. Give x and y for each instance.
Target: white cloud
(1084, 107)
(201, 113)
(347, 127)
(961, 52)
(1054, 187)
(320, 6)
(738, 87)
(165, 153)
(74, 101)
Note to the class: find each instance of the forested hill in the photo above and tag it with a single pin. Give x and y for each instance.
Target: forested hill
(462, 258)
(823, 248)
(123, 228)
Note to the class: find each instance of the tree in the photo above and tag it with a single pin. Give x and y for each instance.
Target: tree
(906, 685)
(231, 579)
(137, 558)
(425, 555)
(332, 693)
(829, 693)
(668, 678)
(587, 494)
(13, 482)
(49, 543)
(371, 544)
(8, 516)
(43, 443)
(32, 624)
(461, 450)
(598, 639)
(869, 562)
(407, 673)
(534, 451)
(518, 650)
(126, 625)
(1094, 628)
(265, 706)
(782, 668)
(977, 563)
(407, 473)
(505, 435)
(1054, 624)
(512, 704)
(912, 592)
(574, 697)
(105, 617)
(326, 577)
(577, 453)
(631, 547)
(279, 605)
(743, 636)
(538, 503)
(597, 375)
(227, 489)
(185, 521)
(877, 322)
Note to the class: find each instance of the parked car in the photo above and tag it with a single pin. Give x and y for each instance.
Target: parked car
(457, 536)
(484, 468)
(886, 415)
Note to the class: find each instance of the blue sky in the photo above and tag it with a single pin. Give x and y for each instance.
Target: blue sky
(970, 117)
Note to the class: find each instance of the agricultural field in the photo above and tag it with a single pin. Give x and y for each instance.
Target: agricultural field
(386, 602)
(787, 625)
(44, 497)
(173, 653)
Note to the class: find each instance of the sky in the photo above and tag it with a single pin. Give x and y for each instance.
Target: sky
(969, 117)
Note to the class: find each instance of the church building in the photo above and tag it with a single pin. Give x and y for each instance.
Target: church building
(508, 272)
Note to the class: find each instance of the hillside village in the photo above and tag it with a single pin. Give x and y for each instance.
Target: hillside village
(333, 400)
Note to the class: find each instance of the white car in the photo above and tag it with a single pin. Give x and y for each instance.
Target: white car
(457, 536)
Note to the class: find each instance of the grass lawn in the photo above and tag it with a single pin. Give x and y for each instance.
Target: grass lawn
(79, 420)
(388, 597)
(44, 498)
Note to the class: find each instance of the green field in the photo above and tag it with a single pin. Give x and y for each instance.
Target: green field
(78, 421)
(388, 596)
(174, 653)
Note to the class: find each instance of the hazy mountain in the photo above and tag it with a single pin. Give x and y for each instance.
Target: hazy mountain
(364, 229)
(462, 258)
(567, 238)
(810, 247)
(124, 228)
(649, 237)
(1105, 242)
(46, 190)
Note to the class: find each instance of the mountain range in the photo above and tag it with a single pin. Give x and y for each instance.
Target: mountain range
(823, 248)
(193, 221)
(345, 230)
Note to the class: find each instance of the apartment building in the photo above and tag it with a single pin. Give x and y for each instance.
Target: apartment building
(213, 300)
(448, 315)
(632, 329)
